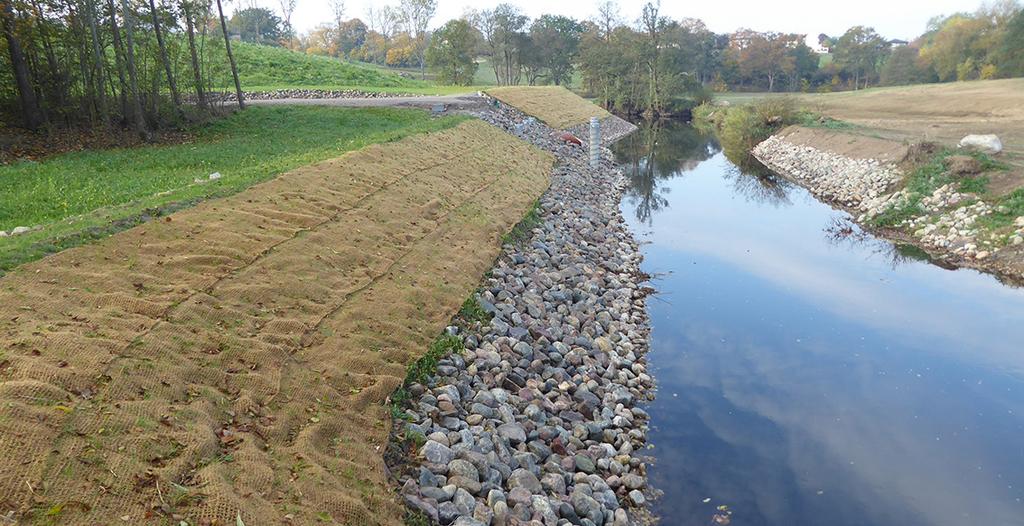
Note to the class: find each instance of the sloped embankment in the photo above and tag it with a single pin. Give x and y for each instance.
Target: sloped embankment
(553, 105)
(934, 203)
(232, 359)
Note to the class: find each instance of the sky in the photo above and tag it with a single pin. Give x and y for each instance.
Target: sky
(903, 19)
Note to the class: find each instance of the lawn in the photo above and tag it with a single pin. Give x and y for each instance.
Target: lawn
(76, 197)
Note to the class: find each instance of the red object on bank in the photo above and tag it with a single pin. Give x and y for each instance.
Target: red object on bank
(570, 138)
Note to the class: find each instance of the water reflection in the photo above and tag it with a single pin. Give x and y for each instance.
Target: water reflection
(808, 372)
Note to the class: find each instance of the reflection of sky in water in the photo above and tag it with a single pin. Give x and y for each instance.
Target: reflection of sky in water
(805, 382)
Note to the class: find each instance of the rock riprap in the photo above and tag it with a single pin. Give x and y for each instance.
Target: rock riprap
(538, 421)
(299, 93)
(948, 219)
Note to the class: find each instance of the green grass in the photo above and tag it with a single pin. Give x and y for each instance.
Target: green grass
(1005, 211)
(471, 311)
(79, 196)
(524, 228)
(275, 66)
(928, 177)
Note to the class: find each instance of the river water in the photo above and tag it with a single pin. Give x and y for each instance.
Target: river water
(809, 374)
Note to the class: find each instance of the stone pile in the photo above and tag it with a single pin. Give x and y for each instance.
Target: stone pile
(298, 93)
(845, 180)
(539, 421)
(949, 218)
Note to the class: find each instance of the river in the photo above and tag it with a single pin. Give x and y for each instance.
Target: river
(809, 374)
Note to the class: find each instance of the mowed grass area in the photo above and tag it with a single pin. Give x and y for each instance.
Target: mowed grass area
(80, 196)
(555, 105)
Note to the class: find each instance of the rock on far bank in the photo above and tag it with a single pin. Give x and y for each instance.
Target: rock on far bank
(984, 143)
(539, 418)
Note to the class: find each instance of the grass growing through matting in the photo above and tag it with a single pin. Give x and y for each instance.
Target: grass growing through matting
(524, 228)
(79, 196)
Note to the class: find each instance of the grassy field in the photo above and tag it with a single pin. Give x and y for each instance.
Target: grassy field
(555, 105)
(77, 196)
(274, 66)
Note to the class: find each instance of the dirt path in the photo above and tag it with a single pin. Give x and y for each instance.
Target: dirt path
(235, 357)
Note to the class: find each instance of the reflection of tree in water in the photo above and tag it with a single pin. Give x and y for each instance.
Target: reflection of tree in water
(843, 231)
(660, 150)
(760, 185)
(664, 149)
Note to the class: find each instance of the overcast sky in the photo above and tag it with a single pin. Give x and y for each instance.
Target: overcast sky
(903, 19)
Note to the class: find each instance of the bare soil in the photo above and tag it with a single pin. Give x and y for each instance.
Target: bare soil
(942, 113)
(233, 359)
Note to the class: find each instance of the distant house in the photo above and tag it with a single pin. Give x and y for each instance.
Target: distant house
(897, 42)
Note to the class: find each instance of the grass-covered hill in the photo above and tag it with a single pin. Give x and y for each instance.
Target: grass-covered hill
(274, 67)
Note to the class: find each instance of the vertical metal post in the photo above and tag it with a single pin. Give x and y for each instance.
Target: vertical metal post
(595, 142)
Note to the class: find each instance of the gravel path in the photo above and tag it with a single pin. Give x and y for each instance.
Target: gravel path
(538, 421)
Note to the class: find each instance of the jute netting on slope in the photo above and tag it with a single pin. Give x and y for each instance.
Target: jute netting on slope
(555, 105)
(234, 357)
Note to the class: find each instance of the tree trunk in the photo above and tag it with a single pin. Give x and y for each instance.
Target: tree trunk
(27, 97)
(118, 53)
(197, 72)
(133, 76)
(101, 91)
(163, 57)
(231, 57)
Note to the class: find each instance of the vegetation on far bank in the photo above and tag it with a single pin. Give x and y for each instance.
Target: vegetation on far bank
(77, 196)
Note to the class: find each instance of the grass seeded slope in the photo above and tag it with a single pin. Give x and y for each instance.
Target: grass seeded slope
(555, 105)
(230, 364)
(82, 195)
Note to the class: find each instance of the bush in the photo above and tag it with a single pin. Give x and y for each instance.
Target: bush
(743, 127)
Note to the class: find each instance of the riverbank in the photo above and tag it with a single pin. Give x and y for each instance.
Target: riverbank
(535, 415)
(934, 198)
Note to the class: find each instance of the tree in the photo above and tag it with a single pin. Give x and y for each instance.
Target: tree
(175, 96)
(416, 15)
(557, 39)
(861, 51)
(1011, 62)
(767, 55)
(337, 11)
(451, 53)
(502, 32)
(129, 39)
(287, 10)
(608, 18)
(350, 36)
(29, 105)
(904, 66)
(231, 56)
(197, 70)
(258, 25)
(805, 63)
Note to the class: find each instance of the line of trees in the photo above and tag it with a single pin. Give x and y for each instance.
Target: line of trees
(105, 63)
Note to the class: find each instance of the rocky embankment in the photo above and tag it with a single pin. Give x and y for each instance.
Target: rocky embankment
(947, 225)
(298, 93)
(538, 420)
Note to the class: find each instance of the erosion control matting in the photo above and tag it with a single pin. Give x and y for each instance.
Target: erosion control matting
(555, 105)
(233, 359)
